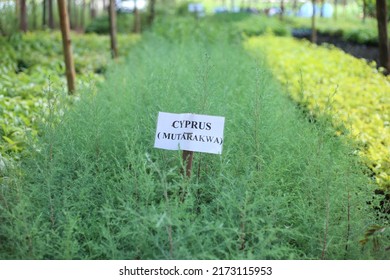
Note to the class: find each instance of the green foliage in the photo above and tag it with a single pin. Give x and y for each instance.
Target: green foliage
(350, 29)
(95, 188)
(182, 9)
(125, 22)
(258, 25)
(371, 7)
(208, 29)
(8, 20)
(31, 65)
(374, 234)
(353, 93)
(230, 27)
(100, 25)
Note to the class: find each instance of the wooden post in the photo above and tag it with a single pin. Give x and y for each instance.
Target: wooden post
(67, 46)
(187, 160)
(112, 16)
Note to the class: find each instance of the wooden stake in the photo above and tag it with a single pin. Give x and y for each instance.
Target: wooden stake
(187, 160)
(67, 45)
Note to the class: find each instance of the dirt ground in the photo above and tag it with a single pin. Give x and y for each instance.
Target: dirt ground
(368, 52)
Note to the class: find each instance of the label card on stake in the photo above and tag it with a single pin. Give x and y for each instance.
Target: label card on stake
(191, 132)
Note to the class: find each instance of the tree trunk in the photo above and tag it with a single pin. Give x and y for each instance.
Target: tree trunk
(92, 12)
(50, 11)
(364, 10)
(322, 8)
(34, 14)
(82, 15)
(281, 9)
(67, 46)
(44, 13)
(23, 16)
(17, 6)
(71, 22)
(17, 12)
(152, 12)
(295, 5)
(75, 16)
(232, 5)
(112, 16)
(313, 23)
(137, 19)
(381, 14)
(335, 9)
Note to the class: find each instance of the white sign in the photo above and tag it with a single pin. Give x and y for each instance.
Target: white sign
(191, 132)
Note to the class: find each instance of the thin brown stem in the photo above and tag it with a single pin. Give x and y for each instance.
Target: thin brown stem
(323, 255)
(187, 161)
(349, 223)
(169, 227)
